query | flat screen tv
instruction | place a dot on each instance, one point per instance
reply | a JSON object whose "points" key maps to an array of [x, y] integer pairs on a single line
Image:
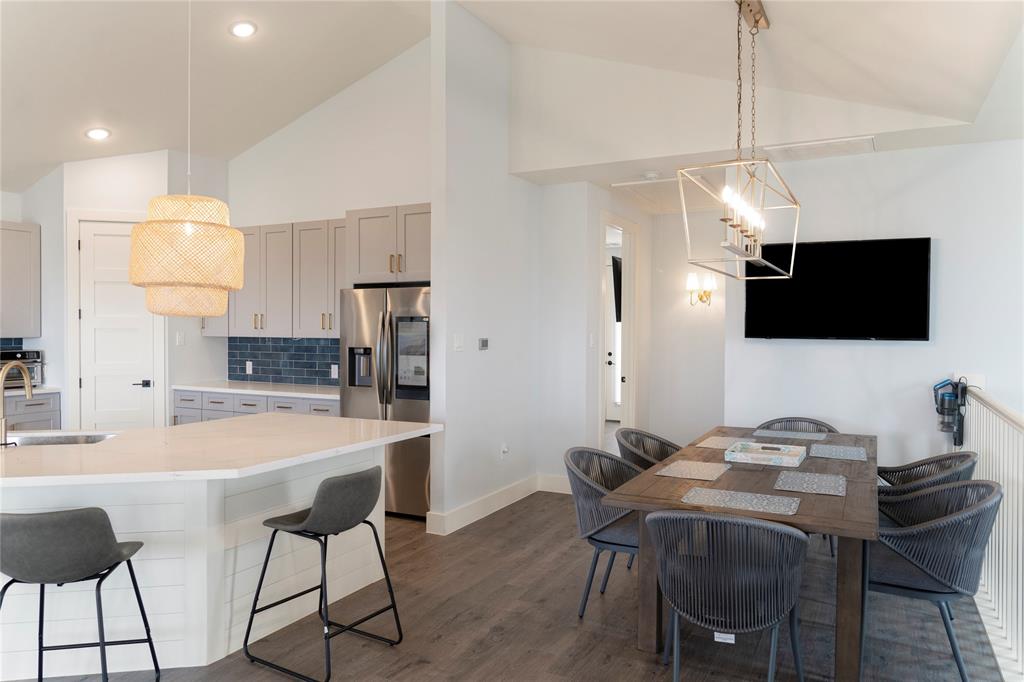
{"points": [[870, 289]]}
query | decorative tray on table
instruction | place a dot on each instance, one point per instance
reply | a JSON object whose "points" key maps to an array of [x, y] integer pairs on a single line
{"points": [[766, 453]]}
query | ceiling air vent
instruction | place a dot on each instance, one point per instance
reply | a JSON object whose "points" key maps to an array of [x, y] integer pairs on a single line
{"points": [[818, 149]]}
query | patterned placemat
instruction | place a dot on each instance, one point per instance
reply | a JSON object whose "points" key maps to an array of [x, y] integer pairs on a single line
{"points": [[819, 484], [701, 471], [794, 435], [731, 499], [721, 442], [853, 452]]}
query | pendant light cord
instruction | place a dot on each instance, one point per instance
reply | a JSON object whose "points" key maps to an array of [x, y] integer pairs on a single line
{"points": [[188, 103], [753, 86]]}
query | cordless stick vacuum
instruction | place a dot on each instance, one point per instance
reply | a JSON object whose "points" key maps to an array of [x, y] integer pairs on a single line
{"points": [[951, 404]]}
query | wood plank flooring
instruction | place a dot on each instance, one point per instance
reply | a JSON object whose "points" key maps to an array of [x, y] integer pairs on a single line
{"points": [[497, 601]]}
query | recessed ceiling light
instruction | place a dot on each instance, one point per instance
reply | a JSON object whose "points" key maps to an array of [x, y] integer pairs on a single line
{"points": [[243, 29], [97, 134]]}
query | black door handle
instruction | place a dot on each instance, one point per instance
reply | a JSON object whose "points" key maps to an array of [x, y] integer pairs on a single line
{"points": [[145, 383]]}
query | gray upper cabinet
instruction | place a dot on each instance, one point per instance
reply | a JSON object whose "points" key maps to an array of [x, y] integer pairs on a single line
{"points": [[276, 280], [244, 304], [20, 304], [413, 263], [311, 264], [390, 244], [263, 307], [372, 235], [339, 273]]}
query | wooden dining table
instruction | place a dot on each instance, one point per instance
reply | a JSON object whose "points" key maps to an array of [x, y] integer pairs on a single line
{"points": [[852, 518]]}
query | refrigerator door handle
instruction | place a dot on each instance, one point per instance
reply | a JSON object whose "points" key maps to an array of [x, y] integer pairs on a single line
{"points": [[389, 356], [381, 377]]}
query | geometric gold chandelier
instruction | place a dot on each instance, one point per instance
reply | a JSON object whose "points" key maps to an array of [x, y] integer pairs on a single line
{"points": [[186, 254], [755, 203]]}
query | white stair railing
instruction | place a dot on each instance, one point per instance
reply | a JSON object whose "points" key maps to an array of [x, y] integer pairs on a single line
{"points": [[996, 433]]}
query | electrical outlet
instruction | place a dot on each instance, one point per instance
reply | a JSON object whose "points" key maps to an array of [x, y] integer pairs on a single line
{"points": [[458, 341], [973, 378], [248, 366], [483, 344], [334, 371], [179, 338]]}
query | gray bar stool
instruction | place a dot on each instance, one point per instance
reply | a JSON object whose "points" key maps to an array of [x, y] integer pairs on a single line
{"points": [[71, 546], [341, 503]]}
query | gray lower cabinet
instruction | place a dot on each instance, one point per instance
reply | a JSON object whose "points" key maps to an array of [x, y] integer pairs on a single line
{"points": [[196, 406], [41, 412]]}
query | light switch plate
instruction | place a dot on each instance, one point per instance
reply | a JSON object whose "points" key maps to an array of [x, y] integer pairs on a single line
{"points": [[248, 366], [458, 341], [179, 338]]}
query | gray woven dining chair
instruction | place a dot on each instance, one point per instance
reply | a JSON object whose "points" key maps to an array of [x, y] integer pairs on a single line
{"points": [[69, 546], [937, 552], [642, 448], [729, 574], [801, 424], [925, 473], [592, 475]]}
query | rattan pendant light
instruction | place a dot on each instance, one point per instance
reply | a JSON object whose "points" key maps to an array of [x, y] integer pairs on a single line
{"points": [[186, 254]]}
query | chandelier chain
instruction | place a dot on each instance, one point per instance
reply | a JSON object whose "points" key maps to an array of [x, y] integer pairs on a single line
{"points": [[739, 80], [753, 89]]}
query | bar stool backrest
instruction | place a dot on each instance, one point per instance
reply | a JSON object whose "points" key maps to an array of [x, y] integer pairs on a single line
{"points": [[343, 502], [727, 573], [801, 424], [57, 547], [642, 448]]}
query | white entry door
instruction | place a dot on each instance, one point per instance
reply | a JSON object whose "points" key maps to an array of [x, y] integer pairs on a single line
{"points": [[121, 341]]}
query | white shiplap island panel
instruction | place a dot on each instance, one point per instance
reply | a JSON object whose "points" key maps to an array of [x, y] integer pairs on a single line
{"points": [[200, 514]]}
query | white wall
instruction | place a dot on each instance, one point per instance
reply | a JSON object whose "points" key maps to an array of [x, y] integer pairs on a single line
{"points": [[43, 203], [967, 198], [484, 260], [10, 206], [571, 370], [122, 183], [686, 393], [367, 146]]}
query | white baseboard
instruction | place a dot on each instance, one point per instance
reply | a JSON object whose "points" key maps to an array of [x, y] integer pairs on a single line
{"points": [[443, 523]]}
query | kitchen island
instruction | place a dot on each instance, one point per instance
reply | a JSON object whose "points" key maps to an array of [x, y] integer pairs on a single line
{"points": [[196, 495]]}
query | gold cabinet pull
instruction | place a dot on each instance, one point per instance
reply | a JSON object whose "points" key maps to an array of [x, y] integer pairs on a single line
{"points": [[391, 262], [255, 319], [330, 320], [261, 320], [323, 321], [399, 262]]}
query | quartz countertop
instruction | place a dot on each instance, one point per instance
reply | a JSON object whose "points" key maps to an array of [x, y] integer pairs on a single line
{"points": [[36, 390], [223, 448], [263, 388]]}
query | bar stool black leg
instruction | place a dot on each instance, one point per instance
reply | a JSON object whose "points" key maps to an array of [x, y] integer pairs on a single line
{"points": [[42, 598], [145, 621], [256, 597], [387, 581], [324, 616], [99, 627]]}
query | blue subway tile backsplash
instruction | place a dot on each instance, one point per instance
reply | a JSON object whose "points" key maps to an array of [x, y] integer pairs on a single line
{"points": [[10, 344], [285, 361]]}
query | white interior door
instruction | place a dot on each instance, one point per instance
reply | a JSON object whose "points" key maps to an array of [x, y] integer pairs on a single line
{"points": [[120, 340], [612, 344]]}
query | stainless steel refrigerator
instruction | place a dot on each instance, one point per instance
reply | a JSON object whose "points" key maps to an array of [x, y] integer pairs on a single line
{"points": [[385, 374]]}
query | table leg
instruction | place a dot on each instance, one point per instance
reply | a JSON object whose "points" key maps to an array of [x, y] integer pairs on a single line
{"points": [[849, 594], [649, 623]]}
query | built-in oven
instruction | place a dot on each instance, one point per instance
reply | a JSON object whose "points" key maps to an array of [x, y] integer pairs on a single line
{"points": [[32, 359]]}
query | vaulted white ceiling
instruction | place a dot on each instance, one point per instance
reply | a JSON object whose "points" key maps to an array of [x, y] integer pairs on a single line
{"points": [[933, 57], [69, 66]]}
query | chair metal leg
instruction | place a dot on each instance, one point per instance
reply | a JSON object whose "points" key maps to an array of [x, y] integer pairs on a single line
{"points": [[794, 637], [666, 646], [832, 546], [99, 627], [590, 580], [953, 643], [865, 584], [42, 598], [324, 616], [629, 562], [607, 572], [391, 591], [145, 621], [676, 657], [774, 654], [256, 598]]}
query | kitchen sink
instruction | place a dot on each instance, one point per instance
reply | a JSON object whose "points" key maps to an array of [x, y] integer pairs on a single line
{"points": [[58, 439]]}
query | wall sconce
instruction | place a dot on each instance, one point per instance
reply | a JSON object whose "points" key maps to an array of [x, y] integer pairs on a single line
{"points": [[699, 293]]}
